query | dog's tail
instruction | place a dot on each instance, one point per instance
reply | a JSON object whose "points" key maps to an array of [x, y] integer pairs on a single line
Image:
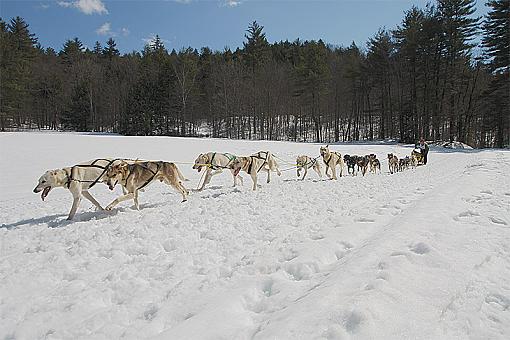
{"points": [[181, 176]]}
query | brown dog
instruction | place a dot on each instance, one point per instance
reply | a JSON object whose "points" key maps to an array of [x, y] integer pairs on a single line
{"points": [[392, 163], [134, 177]]}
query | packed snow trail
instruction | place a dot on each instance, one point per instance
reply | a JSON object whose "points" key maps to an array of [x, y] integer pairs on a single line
{"points": [[422, 254]]}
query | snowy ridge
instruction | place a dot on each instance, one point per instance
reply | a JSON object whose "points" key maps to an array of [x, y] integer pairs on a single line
{"points": [[422, 254]]}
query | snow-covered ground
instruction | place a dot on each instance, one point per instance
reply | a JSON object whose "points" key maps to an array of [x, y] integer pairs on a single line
{"points": [[422, 254]]}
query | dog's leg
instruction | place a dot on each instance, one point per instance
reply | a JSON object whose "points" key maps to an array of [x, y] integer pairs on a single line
{"points": [[234, 177], [179, 187], [122, 198], [183, 191], [254, 179], [278, 172], [76, 203], [207, 179], [333, 172], [135, 199], [268, 175], [318, 171], [88, 196], [241, 179], [306, 172]]}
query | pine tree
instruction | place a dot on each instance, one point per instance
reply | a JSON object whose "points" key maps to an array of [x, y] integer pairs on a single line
{"points": [[496, 41], [312, 75], [381, 51], [72, 51], [111, 50], [459, 31], [76, 117], [256, 46], [98, 49], [18, 53]]}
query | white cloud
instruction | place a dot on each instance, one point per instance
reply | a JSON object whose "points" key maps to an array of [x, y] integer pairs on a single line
{"points": [[223, 3], [150, 39], [232, 3], [105, 29], [44, 6], [64, 4], [86, 6]]}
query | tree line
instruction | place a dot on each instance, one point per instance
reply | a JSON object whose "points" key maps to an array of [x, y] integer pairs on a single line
{"points": [[421, 78]]}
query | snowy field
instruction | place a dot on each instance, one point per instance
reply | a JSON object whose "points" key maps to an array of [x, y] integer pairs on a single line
{"points": [[422, 254]]}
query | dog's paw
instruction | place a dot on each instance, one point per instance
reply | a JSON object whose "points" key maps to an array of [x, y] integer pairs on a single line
{"points": [[109, 208]]}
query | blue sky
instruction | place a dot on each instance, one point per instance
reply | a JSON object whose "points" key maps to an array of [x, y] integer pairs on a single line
{"points": [[213, 23]]}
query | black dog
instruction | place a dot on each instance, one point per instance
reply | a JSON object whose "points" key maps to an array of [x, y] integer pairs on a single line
{"points": [[351, 162], [363, 164]]}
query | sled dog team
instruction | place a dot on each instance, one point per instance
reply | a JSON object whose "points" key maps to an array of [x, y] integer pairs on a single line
{"points": [[135, 175]]}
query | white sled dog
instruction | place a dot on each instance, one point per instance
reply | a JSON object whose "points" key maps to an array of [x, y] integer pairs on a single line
{"points": [[332, 159], [269, 163], [134, 177], [215, 163], [249, 164], [305, 163], [78, 179]]}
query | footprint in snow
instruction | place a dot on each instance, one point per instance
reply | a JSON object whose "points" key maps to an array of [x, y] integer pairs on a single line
{"points": [[419, 248], [317, 236], [498, 299], [347, 245], [150, 312], [497, 220], [352, 321], [465, 215], [364, 220]]}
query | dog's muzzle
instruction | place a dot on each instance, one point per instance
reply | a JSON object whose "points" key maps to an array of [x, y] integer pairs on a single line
{"points": [[112, 185], [45, 191]]}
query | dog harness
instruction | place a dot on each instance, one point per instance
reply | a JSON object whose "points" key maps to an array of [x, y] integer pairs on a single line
{"points": [[250, 166], [310, 163], [230, 157], [146, 166], [331, 156], [257, 155], [91, 165]]}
